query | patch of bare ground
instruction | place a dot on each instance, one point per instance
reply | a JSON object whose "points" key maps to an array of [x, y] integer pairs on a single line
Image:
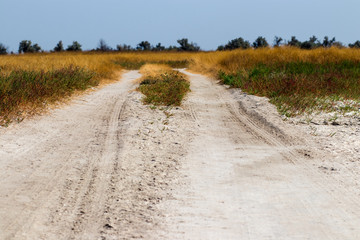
{"points": [[250, 175], [331, 140], [95, 168]]}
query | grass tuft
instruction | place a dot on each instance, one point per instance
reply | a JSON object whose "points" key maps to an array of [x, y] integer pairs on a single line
{"points": [[163, 86]]}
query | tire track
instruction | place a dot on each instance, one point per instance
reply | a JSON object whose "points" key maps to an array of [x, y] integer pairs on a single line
{"points": [[242, 173], [93, 201], [72, 204], [212, 170], [292, 154], [56, 177]]}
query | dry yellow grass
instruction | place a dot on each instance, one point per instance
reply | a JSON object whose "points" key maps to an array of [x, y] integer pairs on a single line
{"points": [[294, 80], [162, 85], [152, 70], [154, 57], [98, 63], [108, 65], [235, 61], [105, 65]]}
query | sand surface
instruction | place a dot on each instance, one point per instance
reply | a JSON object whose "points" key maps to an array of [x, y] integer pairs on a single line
{"points": [[224, 165]]}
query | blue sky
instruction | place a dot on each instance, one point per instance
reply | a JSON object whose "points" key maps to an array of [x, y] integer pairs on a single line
{"points": [[209, 23]]}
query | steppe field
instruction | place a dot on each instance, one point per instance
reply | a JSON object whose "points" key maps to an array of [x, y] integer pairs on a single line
{"points": [[243, 144]]}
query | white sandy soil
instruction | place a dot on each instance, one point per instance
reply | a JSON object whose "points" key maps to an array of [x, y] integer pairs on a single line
{"points": [[224, 165]]}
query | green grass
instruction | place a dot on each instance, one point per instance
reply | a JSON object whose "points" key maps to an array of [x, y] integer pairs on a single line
{"points": [[22, 89], [297, 87], [165, 89]]}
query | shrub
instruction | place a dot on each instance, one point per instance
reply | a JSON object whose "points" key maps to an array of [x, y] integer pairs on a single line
{"points": [[186, 46], [123, 48], [103, 47], [3, 49], [144, 46], [26, 46], [277, 41], [59, 47], [75, 46], [294, 42], [221, 48], [328, 43], [312, 43], [158, 47], [235, 44], [355, 44], [260, 42]]}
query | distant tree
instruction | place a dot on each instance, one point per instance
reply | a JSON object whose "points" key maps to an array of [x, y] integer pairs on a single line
{"points": [[338, 44], [3, 49], [75, 46], [144, 46], [123, 47], [328, 43], [36, 47], [307, 45], [277, 41], [355, 44], [103, 47], [172, 48], [294, 42], [260, 42], [186, 46], [59, 47], [26, 46], [221, 48], [312, 43], [158, 47], [235, 44]]}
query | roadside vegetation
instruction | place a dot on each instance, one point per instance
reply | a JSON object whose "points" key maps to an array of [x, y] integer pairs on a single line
{"points": [[295, 80], [24, 91], [163, 86], [296, 76], [30, 82]]}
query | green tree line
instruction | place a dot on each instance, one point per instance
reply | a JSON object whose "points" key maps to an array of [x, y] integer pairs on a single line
{"points": [[261, 42], [26, 46]]}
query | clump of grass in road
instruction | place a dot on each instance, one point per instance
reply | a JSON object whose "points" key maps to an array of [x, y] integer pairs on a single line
{"points": [[165, 89], [21, 90], [296, 87], [163, 86]]}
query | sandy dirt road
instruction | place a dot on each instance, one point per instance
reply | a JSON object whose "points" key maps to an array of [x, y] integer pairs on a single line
{"points": [[108, 167]]}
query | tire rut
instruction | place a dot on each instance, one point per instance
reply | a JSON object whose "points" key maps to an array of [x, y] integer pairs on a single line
{"points": [[246, 179], [117, 169], [55, 177], [93, 201]]}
